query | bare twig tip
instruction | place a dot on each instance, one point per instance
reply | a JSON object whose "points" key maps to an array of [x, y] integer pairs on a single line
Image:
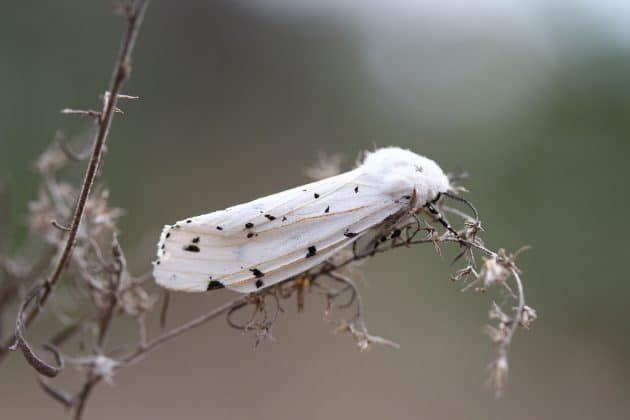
{"points": [[81, 112], [60, 226]]}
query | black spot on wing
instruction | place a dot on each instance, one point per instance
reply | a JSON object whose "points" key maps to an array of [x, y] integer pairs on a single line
{"points": [[214, 285], [168, 235], [270, 217], [311, 251], [316, 195], [219, 228], [356, 189], [195, 240], [249, 225], [192, 248], [284, 218], [327, 209], [350, 234], [256, 272], [259, 283]]}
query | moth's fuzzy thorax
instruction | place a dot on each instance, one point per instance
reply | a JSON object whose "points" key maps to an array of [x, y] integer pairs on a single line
{"points": [[399, 170]]}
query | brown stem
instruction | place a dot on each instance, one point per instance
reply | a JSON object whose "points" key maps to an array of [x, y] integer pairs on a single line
{"points": [[142, 351], [82, 397]]}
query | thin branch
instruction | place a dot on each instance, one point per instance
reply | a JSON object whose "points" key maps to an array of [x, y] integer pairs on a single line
{"points": [[83, 112], [521, 300], [60, 226], [106, 319], [81, 398], [57, 394], [142, 351]]}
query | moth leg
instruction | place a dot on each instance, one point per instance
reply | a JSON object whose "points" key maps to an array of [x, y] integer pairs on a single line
{"points": [[442, 220], [384, 230]]}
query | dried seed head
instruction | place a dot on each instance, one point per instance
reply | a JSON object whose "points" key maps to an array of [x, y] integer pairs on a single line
{"points": [[135, 301], [101, 366], [51, 160], [103, 219], [471, 230], [528, 316], [497, 335], [494, 270]]}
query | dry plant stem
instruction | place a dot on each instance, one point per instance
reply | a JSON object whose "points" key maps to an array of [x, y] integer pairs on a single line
{"points": [[142, 351], [504, 347], [121, 72], [93, 376], [20, 340], [79, 402], [520, 307], [56, 394], [82, 397], [356, 295], [106, 319]]}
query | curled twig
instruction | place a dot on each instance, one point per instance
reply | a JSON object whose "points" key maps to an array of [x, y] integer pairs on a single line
{"points": [[56, 394], [31, 357], [59, 226]]}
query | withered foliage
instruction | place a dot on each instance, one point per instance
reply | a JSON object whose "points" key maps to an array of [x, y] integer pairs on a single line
{"points": [[78, 236]]}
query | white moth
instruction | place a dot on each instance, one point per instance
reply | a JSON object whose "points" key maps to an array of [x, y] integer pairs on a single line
{"points": [[257, 244]]}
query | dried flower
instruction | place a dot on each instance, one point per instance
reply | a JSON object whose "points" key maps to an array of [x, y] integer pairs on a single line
{"points": [[51, 160], [528, 316], [493, 271]]}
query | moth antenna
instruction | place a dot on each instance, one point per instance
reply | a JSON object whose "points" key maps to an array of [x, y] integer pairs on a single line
{"points": [[463, 200]]}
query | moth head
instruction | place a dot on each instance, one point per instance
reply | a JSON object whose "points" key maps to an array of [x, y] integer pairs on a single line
{"points": [[430, 179], [404, 170]]}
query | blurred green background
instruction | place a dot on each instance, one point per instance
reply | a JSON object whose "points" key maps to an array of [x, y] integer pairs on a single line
{"points": [[237, 97]]}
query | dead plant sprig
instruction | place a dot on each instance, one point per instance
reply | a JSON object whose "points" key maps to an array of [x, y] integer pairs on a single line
{"points": [[122, 69]]}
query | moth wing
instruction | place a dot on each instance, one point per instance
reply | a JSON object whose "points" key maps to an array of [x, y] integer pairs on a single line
{"points": [[263, 242], [275, 206]]}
